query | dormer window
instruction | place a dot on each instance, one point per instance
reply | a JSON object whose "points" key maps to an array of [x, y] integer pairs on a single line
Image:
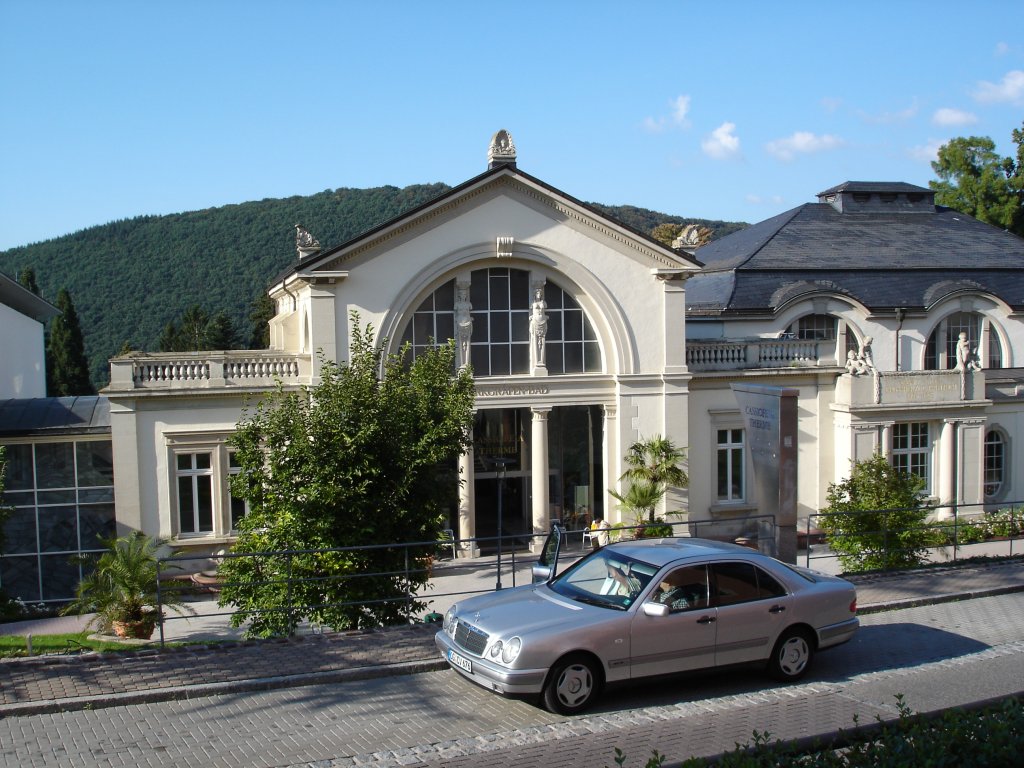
{"points": [[861, 197]]}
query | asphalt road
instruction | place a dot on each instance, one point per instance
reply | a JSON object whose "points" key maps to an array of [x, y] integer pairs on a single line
{"points": [[936, 656]]}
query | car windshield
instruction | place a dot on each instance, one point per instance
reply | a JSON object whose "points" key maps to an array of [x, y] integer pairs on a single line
{"points": [[606, 579]]}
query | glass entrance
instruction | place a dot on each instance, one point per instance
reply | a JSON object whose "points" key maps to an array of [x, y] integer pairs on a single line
{"points": [[501, 444]]}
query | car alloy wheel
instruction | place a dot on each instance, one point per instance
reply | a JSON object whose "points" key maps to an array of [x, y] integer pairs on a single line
{"points": [[792, 656], [572, 685]]}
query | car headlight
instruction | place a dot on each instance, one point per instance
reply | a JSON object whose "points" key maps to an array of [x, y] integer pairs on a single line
{"points": [[508, 650], [511, 650], [449, 621]]}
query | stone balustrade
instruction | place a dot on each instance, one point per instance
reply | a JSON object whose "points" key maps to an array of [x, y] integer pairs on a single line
{"points": [[208, 370], [729, 355]]}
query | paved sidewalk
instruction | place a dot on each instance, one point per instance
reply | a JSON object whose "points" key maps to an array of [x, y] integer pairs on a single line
{"points": [[93, 680]]}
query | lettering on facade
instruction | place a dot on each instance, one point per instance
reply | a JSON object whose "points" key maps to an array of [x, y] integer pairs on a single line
{"points": [[512, 391]]}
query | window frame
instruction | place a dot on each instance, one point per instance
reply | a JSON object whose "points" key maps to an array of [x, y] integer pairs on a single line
{"points": [[220, 471], [906, 457], [730, 447], [999, 492]]}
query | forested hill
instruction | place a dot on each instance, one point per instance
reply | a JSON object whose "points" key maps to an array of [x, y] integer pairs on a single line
{"points": [[129, 278]]}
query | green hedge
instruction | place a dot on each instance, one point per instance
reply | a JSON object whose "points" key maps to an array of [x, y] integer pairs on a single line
{"points": [[988, 736]]}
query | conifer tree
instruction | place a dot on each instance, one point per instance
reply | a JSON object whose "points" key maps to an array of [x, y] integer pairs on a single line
{"points": [[67, 372], [27, 278]]}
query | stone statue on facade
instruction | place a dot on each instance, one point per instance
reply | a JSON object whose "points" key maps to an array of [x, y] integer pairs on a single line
{"points": [[861, 362], [463, 323], [538, 324], [966, 359], [692, 236], [305, 243]]}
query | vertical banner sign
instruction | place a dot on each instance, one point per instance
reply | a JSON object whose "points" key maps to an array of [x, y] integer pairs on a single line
{"points": [[769, 415]]}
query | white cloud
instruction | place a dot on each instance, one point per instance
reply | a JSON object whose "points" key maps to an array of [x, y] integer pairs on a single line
{"points": [[680, 108], [722, 143], [774, 200], [802, 143], [1010, 90], [654, 125], [830, 104], [926, 152], [953, 117], [890, 118]]}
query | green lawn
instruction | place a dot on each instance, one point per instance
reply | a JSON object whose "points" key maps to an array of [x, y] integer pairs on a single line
{"points": [[17, 645]]}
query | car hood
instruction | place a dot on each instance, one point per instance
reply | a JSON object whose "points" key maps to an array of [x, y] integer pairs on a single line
{"points": [[524, 609]]}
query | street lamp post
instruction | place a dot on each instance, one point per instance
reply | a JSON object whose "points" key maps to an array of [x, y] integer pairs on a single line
{"points": [[500, 463]]}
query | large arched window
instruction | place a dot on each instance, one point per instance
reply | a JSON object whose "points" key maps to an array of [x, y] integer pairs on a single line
{"points": [[940, 352], [500, 302]]}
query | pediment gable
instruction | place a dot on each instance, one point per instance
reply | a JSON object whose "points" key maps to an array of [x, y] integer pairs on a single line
{"points": [[509, 183]]}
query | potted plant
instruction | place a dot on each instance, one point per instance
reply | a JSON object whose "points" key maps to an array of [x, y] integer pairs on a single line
{"points": [[121, 589]]}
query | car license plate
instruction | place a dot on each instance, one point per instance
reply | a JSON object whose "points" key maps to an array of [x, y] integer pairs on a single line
{"points": [[460, 662]]}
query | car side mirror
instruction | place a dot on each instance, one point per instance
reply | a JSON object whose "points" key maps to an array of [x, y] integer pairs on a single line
{"points": [[547, 564], [652, 608]]}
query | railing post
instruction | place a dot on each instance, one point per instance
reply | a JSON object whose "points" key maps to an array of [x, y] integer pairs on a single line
{"points": [[408, 582], [291, 615], [159, 604]]}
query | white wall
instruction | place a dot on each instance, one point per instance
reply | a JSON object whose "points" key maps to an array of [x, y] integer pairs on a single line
{"points": [[22, 348]]}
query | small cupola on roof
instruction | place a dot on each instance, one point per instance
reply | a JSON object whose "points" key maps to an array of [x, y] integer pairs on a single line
{"points": [[502, 150], [879, 197]]}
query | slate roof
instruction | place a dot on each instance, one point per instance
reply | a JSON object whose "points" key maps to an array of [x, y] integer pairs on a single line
{"points": [[884, 260], [41, 416]]}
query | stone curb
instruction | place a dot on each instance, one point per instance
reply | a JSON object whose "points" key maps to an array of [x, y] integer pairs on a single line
{"points": [[949, 597], [201, 690]]}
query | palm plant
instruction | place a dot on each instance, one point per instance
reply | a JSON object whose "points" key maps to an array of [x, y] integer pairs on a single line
{"points": [[652, 467], [122, 588]]}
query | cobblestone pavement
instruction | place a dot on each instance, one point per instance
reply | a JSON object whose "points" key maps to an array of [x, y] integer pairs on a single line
{"points": [[62, 683], [938, 655]]}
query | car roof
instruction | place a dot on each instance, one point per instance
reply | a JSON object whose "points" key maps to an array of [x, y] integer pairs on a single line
{"points": [[663, 551]]}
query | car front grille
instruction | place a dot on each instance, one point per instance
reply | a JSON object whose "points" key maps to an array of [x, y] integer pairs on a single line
{"points": [[470, 638]]}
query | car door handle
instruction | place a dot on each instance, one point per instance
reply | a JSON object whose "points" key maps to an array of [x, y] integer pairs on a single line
{"points": [[705, 619], [777, 609]]}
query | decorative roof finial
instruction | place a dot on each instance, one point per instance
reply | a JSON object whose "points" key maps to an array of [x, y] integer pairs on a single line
{"points": [[502, 150]]}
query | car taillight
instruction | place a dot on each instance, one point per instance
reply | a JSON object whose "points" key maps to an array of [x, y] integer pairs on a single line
{"points": [[853, 606]]}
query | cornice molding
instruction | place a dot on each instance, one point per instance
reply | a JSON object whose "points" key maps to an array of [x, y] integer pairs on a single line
{"points": [[546, 199]]}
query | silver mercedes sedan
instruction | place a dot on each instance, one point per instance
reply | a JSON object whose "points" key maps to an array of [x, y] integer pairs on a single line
{"points": [[641, 608]]}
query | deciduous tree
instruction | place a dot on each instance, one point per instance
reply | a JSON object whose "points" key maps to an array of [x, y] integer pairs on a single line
{"points": [[875, 519], [976, 180], [365, 457]]}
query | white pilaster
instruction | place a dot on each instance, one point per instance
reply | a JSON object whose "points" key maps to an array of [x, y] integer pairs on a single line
{"points": [[947, 460], [467, 507]]}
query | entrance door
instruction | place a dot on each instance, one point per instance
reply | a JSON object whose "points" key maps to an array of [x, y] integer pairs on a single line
{"points": [[516, 521]]}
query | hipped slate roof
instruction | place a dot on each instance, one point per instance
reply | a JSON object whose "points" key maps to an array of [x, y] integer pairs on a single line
{"points": [[41, 416], [881, 259]]}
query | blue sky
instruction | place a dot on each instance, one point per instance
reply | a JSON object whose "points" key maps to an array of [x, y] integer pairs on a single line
{"points": [[723, 110]]}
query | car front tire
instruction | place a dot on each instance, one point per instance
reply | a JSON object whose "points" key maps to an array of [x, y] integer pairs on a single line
{"points": [[792, 655], [573, 685]]}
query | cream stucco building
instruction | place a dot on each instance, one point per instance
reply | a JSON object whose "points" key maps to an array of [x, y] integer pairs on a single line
{"points": [[898, 324]]}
